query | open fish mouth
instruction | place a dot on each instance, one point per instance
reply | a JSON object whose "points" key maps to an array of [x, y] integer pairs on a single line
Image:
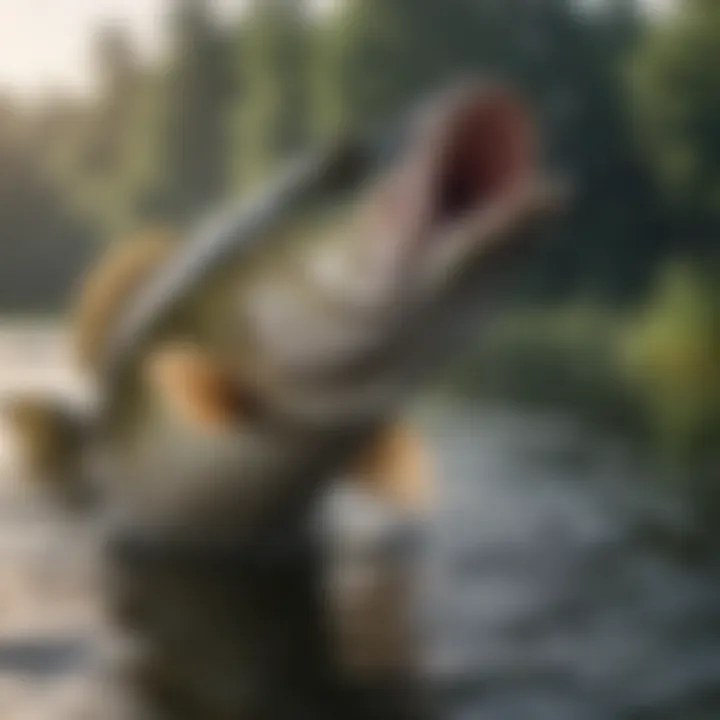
{"points": [[484, 149], [458, 194], [466, 188], [471, 149]]}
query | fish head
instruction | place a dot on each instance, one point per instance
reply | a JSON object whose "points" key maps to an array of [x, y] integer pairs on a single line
{"points": [[434, 241], [465, 201]]}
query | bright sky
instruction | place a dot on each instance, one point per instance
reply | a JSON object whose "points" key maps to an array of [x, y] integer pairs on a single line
{"points": [[46, 43]]}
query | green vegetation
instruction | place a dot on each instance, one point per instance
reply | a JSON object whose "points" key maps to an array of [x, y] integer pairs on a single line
{"points": [[561, 357], [670, 351], [650, 374], [674, 96]]}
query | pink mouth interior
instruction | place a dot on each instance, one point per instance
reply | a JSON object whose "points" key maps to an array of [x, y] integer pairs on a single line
{"points": [[487, 151]]}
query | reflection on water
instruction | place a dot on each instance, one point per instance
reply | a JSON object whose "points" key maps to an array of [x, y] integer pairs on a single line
{"points": [[543, 601]]}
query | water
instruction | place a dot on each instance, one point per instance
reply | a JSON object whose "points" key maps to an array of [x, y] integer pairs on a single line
{"points": [[545, 603], [544, 599]]}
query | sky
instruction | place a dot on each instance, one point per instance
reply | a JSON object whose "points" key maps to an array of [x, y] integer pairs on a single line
{"points": [[46, 44]]}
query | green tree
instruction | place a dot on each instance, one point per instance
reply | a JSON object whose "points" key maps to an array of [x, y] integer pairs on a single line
{"points": [[377, 57], [103, 148], [191, 131], [43, 243], [84, 146], [569, 56], [671, 351], [272, 108], [675, 95]]}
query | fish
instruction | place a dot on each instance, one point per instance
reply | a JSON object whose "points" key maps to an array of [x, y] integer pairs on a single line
{"points": [[253, 362], [298, 344]]}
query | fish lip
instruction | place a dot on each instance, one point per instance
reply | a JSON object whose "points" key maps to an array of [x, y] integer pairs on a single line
{"points": [[480, 145]]}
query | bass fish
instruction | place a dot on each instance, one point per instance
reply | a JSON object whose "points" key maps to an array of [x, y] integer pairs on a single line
{"points": [[236, 373]]}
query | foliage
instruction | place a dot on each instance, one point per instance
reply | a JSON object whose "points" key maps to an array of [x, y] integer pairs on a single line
{"points": [[42, 241], [670, 351], [191, 133], [560, 357], [675, 99], [651, 374], [272, 113], [377, 57]]}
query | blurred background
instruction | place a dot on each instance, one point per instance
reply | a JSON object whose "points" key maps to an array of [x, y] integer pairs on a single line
{"points": [[579, 439]]}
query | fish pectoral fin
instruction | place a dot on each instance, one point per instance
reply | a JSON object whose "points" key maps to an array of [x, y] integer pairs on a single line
{"points": [[195, 386], [397, 468]]}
